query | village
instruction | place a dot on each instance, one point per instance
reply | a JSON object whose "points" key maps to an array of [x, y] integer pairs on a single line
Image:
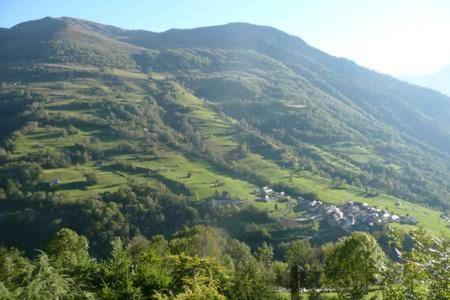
{"points": [[266, 194], [349, 216]]}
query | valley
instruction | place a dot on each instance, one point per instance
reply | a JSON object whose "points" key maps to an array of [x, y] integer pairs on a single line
{"points": [[225, 162], [182, 173]]}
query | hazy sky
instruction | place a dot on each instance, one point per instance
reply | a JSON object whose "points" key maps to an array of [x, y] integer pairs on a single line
{"points": [[392, 36]]}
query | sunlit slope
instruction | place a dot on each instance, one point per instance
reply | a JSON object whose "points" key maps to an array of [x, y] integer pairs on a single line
{"points": [[84, 101]]}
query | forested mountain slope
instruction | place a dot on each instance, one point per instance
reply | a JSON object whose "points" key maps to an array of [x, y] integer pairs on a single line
{"points": [[408, 107], [375, 109], [65, 40], [215, 111]]}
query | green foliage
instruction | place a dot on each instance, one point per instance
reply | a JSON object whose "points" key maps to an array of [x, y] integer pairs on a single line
{"points": [[159, 269], [189, 271], [422, 272], [50, 160], [217, 121], [4, 155], [197, 291], [16, 269], [353, 264], [152, 272], [252, 278], [141, 270], [255, 233], [199, 240], [299, 253], [180, 59], [301, 108], [47, 282], [280, 272], [91, 178], [68, 248], [117, 275]]}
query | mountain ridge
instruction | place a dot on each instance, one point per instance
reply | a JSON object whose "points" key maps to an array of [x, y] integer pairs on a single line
{"points": [[206, 162], [305, 102]]}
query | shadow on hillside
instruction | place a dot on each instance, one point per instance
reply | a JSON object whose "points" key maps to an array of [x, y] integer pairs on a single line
{"points": [[174, 186], [368, 194], [76, 185]]}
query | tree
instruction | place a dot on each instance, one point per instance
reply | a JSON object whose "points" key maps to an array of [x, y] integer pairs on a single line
{"points": [[244, 150], [72, 130], [16, 269], [48, 283], [280, 272], [117, 275], [250, 280], [68, 253], [352, 264], [152, 272], [423, 271], [4, 155], [6, 294], [264, 254], [67, 247], [299, 253], [199, 240], [91, 178], [189, 271], [255, 233], [197, 290]]}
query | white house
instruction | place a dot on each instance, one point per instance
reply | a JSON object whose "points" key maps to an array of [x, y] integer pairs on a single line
{"points": [[54, 182]]}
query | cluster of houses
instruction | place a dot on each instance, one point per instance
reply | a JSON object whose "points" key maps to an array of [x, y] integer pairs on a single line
{"points": [[266, 194], [352, 216]]}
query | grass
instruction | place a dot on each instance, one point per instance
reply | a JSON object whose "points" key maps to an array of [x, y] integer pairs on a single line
{"points": [[202, 181], [218, 130], [172, 167], [355, 153], [73, 181], [308, 182], [333, 160]]}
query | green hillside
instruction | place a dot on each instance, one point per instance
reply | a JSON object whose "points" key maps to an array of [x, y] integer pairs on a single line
{"points": [[85, 102], [192, 116]]}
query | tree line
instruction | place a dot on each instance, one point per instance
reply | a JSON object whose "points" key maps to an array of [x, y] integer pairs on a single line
{"points": [[204, 263]]}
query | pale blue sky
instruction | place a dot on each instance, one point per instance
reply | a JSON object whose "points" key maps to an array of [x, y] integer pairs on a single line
{"points": [[392, 36]]}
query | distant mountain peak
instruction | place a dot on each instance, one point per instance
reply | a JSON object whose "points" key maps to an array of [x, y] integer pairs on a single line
{"points": [[107, 30], [39, 24]]}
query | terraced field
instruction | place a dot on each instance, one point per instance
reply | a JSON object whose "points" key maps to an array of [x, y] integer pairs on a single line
{"points": [[184, 174]]}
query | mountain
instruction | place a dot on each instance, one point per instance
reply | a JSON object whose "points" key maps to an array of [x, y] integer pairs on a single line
{"points": [[438, 81], [341, 78], [90, 111], [64, 39]]}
